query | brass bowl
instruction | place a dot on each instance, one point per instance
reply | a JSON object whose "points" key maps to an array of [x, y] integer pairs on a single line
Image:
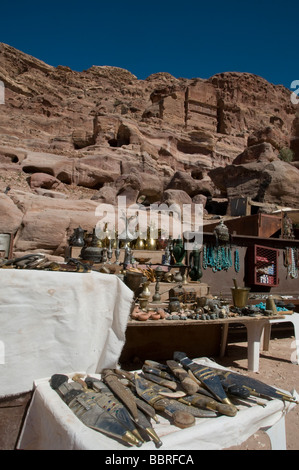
{"points": [[142, 260]]}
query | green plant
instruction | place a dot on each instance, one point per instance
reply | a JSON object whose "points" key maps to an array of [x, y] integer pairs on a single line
{"points": [[286, 154]]}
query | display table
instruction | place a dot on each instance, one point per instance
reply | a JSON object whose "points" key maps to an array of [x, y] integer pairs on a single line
{"points": [[254, 327], [294, 319], [258, 337], [51, 425], [254, 333], [58, 322]]}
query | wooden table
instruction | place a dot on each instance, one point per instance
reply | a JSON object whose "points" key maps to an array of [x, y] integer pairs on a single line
{"points": [[254, 326]]}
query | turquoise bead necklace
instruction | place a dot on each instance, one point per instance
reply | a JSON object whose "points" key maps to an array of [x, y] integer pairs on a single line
{"points": [[220, 258]]}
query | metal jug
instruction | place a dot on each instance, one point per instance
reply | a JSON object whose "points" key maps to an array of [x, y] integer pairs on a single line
{"points": [[77, 239], [195, 272]]}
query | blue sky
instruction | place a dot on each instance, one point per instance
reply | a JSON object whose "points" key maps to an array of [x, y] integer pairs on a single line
{"points": [[184, 38]]}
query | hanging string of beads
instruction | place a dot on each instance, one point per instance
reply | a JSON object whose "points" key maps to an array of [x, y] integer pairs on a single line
{"points": [[292, 268], [290, 254], [218, 256], [237, 260]]}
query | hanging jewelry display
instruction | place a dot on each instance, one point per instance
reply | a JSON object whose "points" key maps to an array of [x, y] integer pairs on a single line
{"points": [[237, 260], [290, 254], [291, 262], [218, 255], [293, 271], [221, 233], [287, 227]]}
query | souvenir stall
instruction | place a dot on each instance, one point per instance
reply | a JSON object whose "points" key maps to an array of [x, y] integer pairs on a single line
{"points": [[77, 320]]}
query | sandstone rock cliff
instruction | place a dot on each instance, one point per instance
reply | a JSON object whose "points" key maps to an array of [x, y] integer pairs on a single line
{"points": [[90, 136]]}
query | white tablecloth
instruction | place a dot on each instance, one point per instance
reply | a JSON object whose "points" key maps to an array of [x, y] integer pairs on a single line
{"points": [[51, 425], [57, 322]]}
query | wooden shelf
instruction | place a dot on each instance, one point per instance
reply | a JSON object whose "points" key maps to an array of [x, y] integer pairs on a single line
{"points": [[263, 266], [188, 322], [246, 240]]}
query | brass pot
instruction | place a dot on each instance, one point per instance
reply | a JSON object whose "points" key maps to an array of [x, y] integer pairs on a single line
{"points": [[174, 304], [133, 280], [167, 277], [240, 296], [151, 244], [139, 244], [201, 301]]}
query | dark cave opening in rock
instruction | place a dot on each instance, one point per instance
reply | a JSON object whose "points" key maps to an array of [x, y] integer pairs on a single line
{"points": [[113, 143], [123, 137]]}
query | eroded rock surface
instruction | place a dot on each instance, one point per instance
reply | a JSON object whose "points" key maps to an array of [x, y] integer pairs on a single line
{"points": [[71, 140]]}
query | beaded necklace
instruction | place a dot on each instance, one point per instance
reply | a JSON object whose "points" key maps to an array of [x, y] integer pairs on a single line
{"points": [[237, 260], [220, 258], [292, 268]]}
